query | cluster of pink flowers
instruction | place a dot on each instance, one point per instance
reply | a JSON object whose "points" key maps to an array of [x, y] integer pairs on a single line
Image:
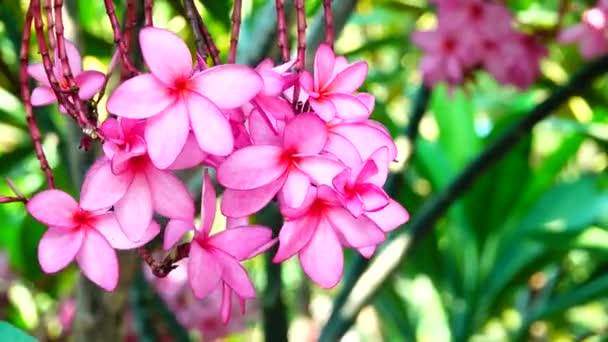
{"points": [[322, 159], [592, 34], [475, 34]]}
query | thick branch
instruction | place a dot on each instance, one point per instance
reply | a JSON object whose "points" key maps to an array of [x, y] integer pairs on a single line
{"points": [[282, 30], [118, 38], [148, 7], [329, 23], [389, 260], [192, 15]]}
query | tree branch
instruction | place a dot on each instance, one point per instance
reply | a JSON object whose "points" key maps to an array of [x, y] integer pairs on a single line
{"points": [[236, 29], [391, 257]]}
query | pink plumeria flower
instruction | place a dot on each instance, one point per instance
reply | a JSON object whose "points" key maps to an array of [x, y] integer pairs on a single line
{"points": [[175, 98], [214, 259], [87, 236], [135, 193], [591, 34], [522, 61], [89, 82], [123, 141], [330, 91], [317, 232], [255, 174]]}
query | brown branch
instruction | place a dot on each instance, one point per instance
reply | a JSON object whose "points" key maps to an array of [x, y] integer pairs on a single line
{"points": [[27, 103], [213, 51], [148, 7], [191, 14], [329, 23], [50, 22], [118, 39], [301, 61], [163, 267], [236, 29], [282, 30]]}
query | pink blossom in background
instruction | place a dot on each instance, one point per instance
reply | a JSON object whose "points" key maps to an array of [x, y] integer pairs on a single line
{"points": [[591, 34], [87, 236], [89, 82], [176, 98]]}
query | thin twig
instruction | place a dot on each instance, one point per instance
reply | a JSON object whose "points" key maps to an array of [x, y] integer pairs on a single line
{"points": [[118, 39], [14, 188], [50, 22], [329, 23], [213, 51], [148, 7], [236, 30], [191, 14], [301, 61], [25, 95], [282, 30], [389, 260]]}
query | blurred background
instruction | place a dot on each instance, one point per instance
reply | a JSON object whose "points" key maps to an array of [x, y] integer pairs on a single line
{"points": [[522, 255]]}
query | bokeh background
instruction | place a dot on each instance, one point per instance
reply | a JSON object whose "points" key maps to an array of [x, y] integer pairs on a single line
{"points": [[522, 255]]}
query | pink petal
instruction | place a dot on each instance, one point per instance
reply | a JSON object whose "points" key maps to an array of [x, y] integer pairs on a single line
{"points": [[343, 149], [321, 169], [273, 83], [42, 96], [108, 226], [305, 133], [238, 203], [208, 204], [101, 187], [37, 72], [152, 98], [204, 272], [324, 108], [210, 126], [134, 210], [261, 131], [252, 167], [228, 86], [234, 274], [241, 242], [373, 197], [234, 222], [295, 188], [349, 79], [322, 258], [98, 260], [166, 134], [58, 247], [366, 138], [380, 158], [294, 235], [367, 252], [389, 217], [307, 83], [170, 197], [367, 99], [174, 231], [190, 156], [89, 82], [348, 107], [53, 208], [323, 65], [74, 58], [355, 231], [166, 55], [226, 305], [112, 129]]}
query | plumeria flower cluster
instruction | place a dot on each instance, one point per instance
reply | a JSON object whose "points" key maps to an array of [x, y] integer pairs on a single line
{"points": [[473, 34], [591, 34], [319, 156]]}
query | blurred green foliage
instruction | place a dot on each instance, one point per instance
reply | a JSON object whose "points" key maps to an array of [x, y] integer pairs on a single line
{"points": [[524, 254]]}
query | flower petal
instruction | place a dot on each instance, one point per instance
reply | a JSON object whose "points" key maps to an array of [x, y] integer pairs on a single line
{"points": [[210, 126], [234, 275], [204, 272], [42, 96], [109, 227], [323, 65], [208, 204], [348, 107], [190, 156], [389, 217], [98, 260], [74, 58], [166, 55], [58, 247], [134, 210], [238, 203], [322, 258], [89, 83], [306, 133], [295, 188], [37, 72], [294, 235], [355, 231], [170, 197], [242, 241], [324, 108], [101, 187], [252, 167], [53, 208], [366, 138], [349, 79], [174, 231], [321, 169], [140, 97], [228, 85], [166, 134]]}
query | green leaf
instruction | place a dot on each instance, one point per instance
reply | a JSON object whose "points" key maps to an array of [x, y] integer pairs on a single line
{"points": [[13, 334]]}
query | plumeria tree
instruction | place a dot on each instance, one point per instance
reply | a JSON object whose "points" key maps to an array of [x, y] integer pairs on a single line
{"points": [[282, 141]]}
